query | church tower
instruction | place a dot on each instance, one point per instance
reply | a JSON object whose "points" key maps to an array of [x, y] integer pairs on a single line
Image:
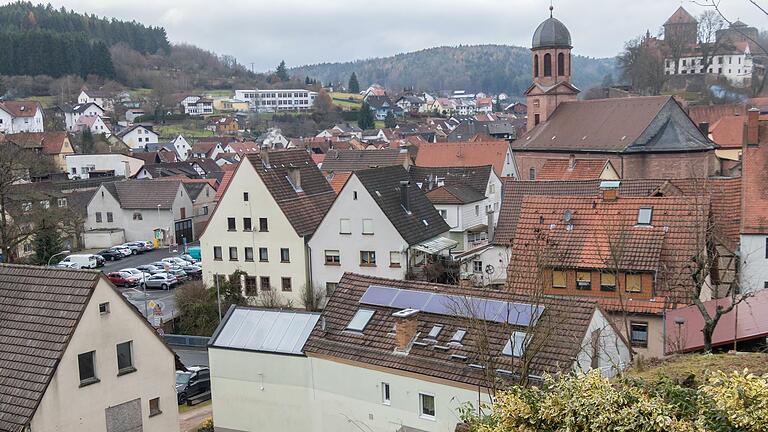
{"points": [[551, 55]]}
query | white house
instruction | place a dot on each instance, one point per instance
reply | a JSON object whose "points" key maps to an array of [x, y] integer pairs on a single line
{"points": [[80, 165], [132, 114], [278, 99], [182, 147], [99, 98], [273, 139], [72, 115], [271, 205], [138, 136], [95, 124], [379, 225], [98, 366], [392, 355], [21, 116], [143, 210]]}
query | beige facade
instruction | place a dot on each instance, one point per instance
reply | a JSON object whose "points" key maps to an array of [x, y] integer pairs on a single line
{"points": [[279, 234], [67, 405]]}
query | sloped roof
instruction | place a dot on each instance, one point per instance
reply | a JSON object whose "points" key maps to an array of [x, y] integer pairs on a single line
{"points": [[464, 154], [338, 179], [583, 169], [728, 132], [128, 130], [51, 142], [619, 125], [81, 108], [476, 177], [551, 33], [421, 222], [454, 194], [306, 208], [224, 183], [144, 194], [20, 108], [375, 345], [681, 16], [39, 311], [353, 160], [265, 330]]}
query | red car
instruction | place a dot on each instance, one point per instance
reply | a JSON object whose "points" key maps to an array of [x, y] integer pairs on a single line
{"points": [[124, 279]]}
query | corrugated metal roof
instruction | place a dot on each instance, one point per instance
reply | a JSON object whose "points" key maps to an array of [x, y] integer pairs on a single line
{"points": [[262, 330]]}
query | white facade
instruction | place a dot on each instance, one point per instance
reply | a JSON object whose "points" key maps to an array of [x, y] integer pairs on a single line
{"points": [[139, 137], [182, 147], [278, 100], [736, 67], [97, 125], [67, 406], [367, 229], [754, 262], [71, 118], [101, 101], [10, 124], [279, 234], [79, 165]]}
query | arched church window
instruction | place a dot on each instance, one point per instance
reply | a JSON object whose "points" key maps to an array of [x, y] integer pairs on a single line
{"points": [[536, 65], [547, 65], [561, 64]]}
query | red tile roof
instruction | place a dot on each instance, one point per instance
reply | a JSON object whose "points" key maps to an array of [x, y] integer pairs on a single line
{"points": [[712, 113], [338, 180], [654, 306], [51, 142], [755, 188], [728, 132], [459, 154], [225, 179], [583, 169], [20, 108]]}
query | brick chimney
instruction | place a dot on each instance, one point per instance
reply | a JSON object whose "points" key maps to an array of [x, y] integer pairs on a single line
{"points": [[753, 125], [704, 128], [294, 173], [609, 190], [406, 324], [264, 154]]}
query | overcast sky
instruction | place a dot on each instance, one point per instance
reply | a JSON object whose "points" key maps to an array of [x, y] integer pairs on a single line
{"points": [[316, 31]]}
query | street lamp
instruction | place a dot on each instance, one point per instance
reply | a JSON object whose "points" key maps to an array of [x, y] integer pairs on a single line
{"points": [[57, 254]]}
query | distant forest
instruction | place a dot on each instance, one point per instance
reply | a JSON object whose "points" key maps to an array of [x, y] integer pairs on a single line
{"points": [[41, 40], [487, 68]]}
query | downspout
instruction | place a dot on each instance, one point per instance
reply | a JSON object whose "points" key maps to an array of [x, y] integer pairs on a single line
{"points": [[308, 264]]}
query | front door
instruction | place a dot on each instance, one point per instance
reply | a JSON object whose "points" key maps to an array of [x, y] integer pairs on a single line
{"points": [[183, 231]]}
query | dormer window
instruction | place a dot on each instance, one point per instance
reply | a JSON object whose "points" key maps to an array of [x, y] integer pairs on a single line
{"points": [[435, 332], [458, 336], [515, 346], [360, 320], [644, 215]]}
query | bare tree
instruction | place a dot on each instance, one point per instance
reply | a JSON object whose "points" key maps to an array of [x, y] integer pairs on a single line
{"points": [[642, 66], [710, 23]]}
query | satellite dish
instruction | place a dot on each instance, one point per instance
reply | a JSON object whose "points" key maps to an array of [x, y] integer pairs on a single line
{"points": [[568, 215]]}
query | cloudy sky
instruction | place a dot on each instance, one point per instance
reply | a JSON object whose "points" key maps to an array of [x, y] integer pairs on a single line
{"points": [[263, 32]]}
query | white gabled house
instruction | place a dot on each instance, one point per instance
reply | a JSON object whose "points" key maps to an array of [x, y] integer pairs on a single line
{"points": [[379, 225], [21, 116], [138, 136], [72, 115], [95, 124], [99, 98], [182, 147]]}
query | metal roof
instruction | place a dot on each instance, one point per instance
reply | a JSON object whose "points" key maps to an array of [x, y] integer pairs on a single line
{"points": [[436, 245], [551, 34], [250, 329]]}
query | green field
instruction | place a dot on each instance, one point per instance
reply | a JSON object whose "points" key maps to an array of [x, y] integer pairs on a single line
{"points": [[682, 366], [347, 101], [188, 129], [45, 101]]}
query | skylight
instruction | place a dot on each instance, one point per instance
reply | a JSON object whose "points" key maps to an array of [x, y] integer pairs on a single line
{"points": [[644, 215], [515, 346], [458, 336], [435, 332], [360, 320]]}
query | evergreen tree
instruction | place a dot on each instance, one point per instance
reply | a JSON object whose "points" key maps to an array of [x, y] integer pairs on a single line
{"points": [[365, 118], [282, 72], [390, 121], [47, 241], [86, 141], [354, 86]]}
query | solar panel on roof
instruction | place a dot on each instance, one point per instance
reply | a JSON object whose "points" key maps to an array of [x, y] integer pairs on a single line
{"points": [[411, 299], [378, 295]]}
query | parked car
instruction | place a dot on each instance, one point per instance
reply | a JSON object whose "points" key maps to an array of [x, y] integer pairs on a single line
{"points": [[161, 280], [120, 249], [189, 258], [150, 269], [193, 382], [70, 265], [137, 273], [194, 252], [176, 261], [88, 261], [193, 271], [123, 279], [146, 245], [134, 248], [110, 255], [180, 274]]}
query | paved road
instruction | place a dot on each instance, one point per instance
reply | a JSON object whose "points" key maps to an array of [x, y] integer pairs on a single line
{"points": [[137, 260], [191, 420]]}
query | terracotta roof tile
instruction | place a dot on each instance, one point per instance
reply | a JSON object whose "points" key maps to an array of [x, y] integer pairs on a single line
{"points": [[583, 169], [133, 194], [20, 108], [51, 142], [464, 154], [338, 180], [728, 131]]}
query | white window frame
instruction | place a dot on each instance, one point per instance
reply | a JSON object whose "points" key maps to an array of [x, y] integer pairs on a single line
{"points": [[386, 394], [368, 226], [345, 226], [421, 406]]}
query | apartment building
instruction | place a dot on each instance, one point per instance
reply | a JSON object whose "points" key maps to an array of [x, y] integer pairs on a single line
{"points": [[277, 99]]}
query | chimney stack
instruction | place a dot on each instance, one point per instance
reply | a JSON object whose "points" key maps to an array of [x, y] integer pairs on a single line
{"points": [[753, 125], [405, 197], [406, 324], [264, 154], [704, 128], [294, 173], [609, 190], [491, 226]]}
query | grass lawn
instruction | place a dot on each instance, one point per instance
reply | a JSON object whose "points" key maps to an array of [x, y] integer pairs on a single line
{"points": [[347, 101], [184, 408], [170, 131], [682, 366], [216, 93], [342, 95], [378, 124], [45, 101]]}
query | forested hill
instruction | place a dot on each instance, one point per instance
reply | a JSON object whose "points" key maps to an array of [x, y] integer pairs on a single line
{"points": [[41, 40], [487, 68]]}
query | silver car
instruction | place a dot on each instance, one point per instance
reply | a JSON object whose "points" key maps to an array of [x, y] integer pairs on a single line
{"points": [[161, 280], [137, 273]]}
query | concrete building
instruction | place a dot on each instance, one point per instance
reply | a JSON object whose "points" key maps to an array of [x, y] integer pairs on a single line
{"points": [[278, 99], [79, 166], [21, 116], [97, 366]]}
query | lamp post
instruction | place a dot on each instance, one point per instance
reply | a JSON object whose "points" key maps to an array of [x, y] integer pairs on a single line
{"points": [[57, 254]]}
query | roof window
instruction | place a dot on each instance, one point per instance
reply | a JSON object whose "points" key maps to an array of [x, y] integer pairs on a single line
{"points": [[458, 336], [644, 215], [515, 346], [360, 320], [435, 332]]}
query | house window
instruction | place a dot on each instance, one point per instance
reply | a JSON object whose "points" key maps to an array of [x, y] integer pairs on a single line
{"points": [[245, 196], [477, 266], [561, 64], [638, 333], [98, 217], [109, 217], [231, 224], [766, 247], [285, 284], [263, 254], [344, 226], [247, 224], [232, 253], [354, 195], [634, 283], [458, 336], [558, 279], [285, 255], [330, 288], [360, 320], [607, 282], [547, 65], [217, 253], [154, 407], [250, 286], [394, 259], [125, 358], [477, 210], [644, 215], [332, 257], [583, 280], [137, 216], [444, 214], [367, 258], [263, 227], [536, 65], [87, 367], [367, 226], [204, 210], [434, 332], [264, 282], [248, 253], [427, 404], [62, 202], [385, 393], [103, 308]]}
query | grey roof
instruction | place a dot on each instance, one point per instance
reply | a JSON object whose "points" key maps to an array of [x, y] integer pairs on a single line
{"points": [[353, 160], [428, 178], [39, 311], [551, 34], [144, 194], [81, 108], [272, 331]]}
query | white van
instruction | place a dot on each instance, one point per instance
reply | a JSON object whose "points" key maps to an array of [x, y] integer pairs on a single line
{"points": [[82, 261]]}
